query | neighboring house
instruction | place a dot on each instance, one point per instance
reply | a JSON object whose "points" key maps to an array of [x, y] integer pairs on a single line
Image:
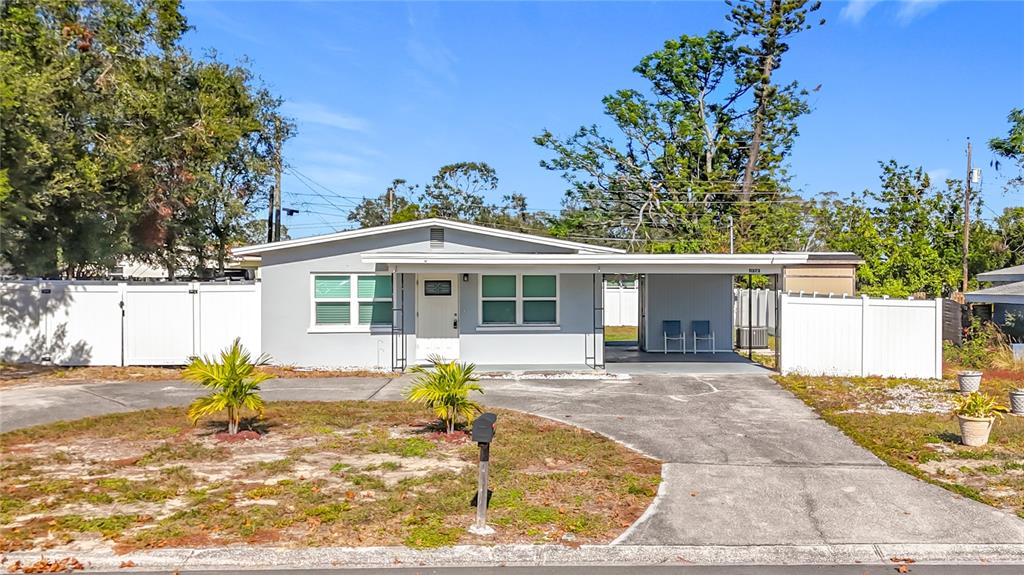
{"points": [[396, 295], [1006, 296]]}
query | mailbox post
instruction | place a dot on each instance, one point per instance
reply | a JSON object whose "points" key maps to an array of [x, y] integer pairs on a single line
{"points": [[483, 434]]}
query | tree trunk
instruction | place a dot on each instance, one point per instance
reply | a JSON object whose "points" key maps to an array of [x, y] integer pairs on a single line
{"points": [[762, 98]]}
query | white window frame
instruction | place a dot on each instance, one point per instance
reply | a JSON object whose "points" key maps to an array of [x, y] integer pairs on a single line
{"points": [[519, 299], [353, 300]]}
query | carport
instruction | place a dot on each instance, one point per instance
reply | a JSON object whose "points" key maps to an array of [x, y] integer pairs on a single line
{"points": [[686, 288]]}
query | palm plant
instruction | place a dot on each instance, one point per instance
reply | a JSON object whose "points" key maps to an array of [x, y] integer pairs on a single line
{"points": [[234, 381], [444, 386]]}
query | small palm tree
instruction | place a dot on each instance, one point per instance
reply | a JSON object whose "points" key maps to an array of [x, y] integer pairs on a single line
{"points": [[235, 383], [444, 386]]}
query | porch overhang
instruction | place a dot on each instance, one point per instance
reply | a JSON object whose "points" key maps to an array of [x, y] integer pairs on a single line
{"points": [[736, 264]]}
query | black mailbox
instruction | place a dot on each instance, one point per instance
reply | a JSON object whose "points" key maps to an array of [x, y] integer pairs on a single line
{"points": [[483, 428]]}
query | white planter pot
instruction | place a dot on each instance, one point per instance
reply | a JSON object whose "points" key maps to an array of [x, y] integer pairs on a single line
{"points": [[1017, 402], [970, 381], [974, 431]]}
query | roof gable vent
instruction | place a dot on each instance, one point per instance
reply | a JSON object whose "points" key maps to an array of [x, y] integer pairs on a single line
{"points": [[436, 238]]}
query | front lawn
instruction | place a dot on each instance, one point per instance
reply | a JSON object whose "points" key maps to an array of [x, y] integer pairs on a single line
{"points": [[18, 374], [908, 424], [321, 474], [620, 333]]}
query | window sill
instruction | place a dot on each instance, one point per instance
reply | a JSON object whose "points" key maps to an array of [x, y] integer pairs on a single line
{"points": [[382, 328], [519, 327]]}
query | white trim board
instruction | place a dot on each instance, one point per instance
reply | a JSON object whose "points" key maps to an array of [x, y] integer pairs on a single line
{"points": [[427, 223]]}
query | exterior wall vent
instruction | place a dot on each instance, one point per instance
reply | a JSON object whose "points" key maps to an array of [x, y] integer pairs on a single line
{"points": [[436, 238]]}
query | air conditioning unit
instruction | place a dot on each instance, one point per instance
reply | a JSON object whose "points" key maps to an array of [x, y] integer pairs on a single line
{"points": [[752, 337]]}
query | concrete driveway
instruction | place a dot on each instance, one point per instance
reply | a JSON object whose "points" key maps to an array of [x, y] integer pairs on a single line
{"points": [[746, 463]]}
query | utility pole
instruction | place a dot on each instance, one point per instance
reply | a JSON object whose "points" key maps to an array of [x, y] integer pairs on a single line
{"points": [[967, 217], [732, 244], [391, 203], [277, 179]]}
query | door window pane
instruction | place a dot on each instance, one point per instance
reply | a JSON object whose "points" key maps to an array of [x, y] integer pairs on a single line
{"points": [[375, 313], [539, 286], [332, 312], [499, 286], [331, 287], [437, 287], [539, 311], [499, 311]]}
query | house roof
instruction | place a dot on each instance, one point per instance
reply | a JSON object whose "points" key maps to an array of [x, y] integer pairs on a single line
{"points": [[427, 223], [589, 263], [1011, 274], [1012, 293]]}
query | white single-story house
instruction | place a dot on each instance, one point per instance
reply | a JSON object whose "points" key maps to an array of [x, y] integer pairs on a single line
{"points": [[395, 295]]}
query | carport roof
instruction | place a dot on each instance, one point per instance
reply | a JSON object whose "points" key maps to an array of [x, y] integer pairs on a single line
{"points": [[590, 263]]}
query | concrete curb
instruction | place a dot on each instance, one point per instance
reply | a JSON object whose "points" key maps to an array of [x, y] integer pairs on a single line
{"points": [[264, 558]]}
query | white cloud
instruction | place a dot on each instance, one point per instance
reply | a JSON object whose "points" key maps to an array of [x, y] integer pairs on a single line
{"points": [[939, 175], [912, 9], [855, 10], [314, 113], [906, 12]]}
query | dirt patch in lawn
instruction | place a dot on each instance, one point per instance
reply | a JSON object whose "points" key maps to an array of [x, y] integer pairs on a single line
{"points": [[320, 474], [29, 374], [909, 424]]}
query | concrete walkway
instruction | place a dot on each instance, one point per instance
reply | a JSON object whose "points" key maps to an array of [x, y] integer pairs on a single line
{"points": [[746, 463]]}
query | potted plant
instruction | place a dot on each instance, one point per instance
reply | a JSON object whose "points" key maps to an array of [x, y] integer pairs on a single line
{"points": [[969, 380], [977, 414], [1017, 401]]}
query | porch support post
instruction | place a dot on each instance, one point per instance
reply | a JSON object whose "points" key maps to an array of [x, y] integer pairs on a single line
{"points": [[778, 331], [750, 316]]}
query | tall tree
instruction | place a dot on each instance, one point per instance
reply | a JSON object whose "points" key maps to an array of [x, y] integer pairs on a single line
{"points": [[392, 207], [668, 179], [117, 142], [768, 24], [458, 191], [1012, 147], [906, 231]]}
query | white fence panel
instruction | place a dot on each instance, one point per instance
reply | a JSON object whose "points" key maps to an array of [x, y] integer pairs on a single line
{"points": [[861, 336], [159, 324], [23, 335], [621, 305], [84, 328], [227, 311], [81, 323], [903, 338], [821, 336]]}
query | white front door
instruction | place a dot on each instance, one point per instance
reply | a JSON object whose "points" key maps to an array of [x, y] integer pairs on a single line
{"points": [[437, 316]]}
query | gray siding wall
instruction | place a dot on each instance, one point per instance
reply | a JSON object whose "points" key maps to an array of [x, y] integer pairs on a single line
{"points": [[568, 345], [689, 298], [286, 308]]}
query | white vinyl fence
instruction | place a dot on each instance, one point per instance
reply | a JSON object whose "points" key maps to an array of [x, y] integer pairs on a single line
{"points": [[97, 323], [621, 304], [754, 308], [861, 336]]}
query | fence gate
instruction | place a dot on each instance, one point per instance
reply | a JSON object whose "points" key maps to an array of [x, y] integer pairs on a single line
{"points": [[102, 323]]}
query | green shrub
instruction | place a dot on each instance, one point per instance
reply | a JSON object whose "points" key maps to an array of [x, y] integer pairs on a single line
{"points": [[445, 388], [235, 383]]}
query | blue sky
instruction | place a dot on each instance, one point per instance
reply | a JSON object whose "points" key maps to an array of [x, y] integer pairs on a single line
{"points": [[394, 90]]}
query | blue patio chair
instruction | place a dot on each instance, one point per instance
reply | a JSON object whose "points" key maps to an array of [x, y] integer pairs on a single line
{"points": [[672, 330], [702, 332]]}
